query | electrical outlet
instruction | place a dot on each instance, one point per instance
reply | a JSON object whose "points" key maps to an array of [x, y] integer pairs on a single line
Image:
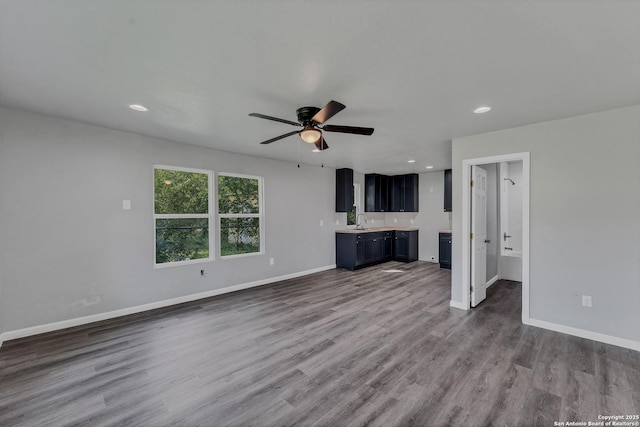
{"points": [[586, 300], [337, 222], [126, 205], [411, 221], [395, 220], [271, 261]]}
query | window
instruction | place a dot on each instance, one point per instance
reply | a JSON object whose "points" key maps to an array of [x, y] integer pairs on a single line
{"points": [[240, 212], [182, 215], [353, 213]]}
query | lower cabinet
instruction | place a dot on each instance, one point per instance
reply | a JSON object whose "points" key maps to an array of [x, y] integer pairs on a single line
{"points": [[355, 250], [387, 246], [405, 246], [445, 250]]}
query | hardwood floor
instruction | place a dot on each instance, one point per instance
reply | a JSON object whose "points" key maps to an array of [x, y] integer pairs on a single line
{"points": [[378, 347]]}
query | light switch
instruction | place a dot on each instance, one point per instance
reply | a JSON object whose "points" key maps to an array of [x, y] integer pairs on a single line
{"points": [[321, 223], [126, 205]]}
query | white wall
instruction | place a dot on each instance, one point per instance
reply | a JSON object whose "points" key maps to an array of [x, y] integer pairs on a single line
{"points": [[430, 218], [584, 210], [493, 247], [68, 249]]}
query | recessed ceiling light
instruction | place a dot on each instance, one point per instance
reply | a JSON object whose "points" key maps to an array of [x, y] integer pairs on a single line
{"points": [[411, 161], [481, 110], [429, 167], [138, 107]]}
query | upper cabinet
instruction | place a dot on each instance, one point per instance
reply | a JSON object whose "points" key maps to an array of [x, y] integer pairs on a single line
{"points": [[376, 193], [404, 193], [448, 191], [397, 193], [344, 190]]}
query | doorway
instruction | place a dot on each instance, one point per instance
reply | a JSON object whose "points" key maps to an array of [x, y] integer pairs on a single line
{"points": [[470, 248]]}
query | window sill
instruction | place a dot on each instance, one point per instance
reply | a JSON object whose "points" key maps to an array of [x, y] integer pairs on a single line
{"points": [[181, 263], [241, 255]]}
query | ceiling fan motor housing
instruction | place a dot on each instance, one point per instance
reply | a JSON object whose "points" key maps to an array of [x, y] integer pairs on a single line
{"points": [[305, 114]]}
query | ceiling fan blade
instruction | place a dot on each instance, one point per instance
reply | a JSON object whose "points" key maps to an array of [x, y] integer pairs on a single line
{"points": [[321, 144], [348, 129], [275, 119], [269, 141], [328, 111]]}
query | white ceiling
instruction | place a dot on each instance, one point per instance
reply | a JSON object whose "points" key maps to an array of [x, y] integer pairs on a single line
{"points": [[412, 70]]}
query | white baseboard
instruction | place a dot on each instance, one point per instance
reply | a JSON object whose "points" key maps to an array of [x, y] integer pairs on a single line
{"points": [[491, 281], [457, 304], [49, 327], [582, 333]]}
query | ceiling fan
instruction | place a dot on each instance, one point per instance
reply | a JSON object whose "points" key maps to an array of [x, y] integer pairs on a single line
{"points": [[309, 118]]}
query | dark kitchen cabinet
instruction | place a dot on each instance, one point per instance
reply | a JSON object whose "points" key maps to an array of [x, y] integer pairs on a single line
{"points": [[376, 193], [387, 246], [355, 250], [344, 190], [373, 247], [404, 193], [397, 193], [445, 250], [448, 195], [405, 246]]}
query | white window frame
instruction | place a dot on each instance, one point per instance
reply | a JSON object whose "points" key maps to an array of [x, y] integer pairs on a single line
{"points": [[259, 215], [356, 203], [210, 216]]}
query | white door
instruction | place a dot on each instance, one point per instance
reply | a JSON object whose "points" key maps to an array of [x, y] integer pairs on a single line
{"points": [[478, 235]]}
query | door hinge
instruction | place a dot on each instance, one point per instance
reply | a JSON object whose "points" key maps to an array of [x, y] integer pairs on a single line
{"points": [[471, 291], [473, 183], [471, 236]]}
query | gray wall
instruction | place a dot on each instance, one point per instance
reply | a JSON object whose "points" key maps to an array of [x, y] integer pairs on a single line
{"points": [[584, 228], [2, 155], [68, 249]]}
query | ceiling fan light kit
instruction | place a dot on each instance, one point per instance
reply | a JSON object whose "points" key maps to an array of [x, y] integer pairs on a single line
{"points": [[310, 134], [309, 118]]}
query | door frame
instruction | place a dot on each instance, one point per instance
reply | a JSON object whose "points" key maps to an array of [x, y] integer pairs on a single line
{"points": [[466, 225]]}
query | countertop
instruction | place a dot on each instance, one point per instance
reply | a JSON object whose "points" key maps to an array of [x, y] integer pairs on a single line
{"points": [[444, 231], [375, 229]]}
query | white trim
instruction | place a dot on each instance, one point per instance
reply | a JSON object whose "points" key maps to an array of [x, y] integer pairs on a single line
{"points": [[466, 214], [457, 304], [582, 333], [491, 281], [49, 327]]}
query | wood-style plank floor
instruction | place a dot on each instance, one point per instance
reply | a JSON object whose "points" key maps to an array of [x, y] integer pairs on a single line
{"points": [[378, 347]]}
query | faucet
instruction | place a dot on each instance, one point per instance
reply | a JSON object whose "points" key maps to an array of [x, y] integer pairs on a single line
{"points": [[358, 225]]}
